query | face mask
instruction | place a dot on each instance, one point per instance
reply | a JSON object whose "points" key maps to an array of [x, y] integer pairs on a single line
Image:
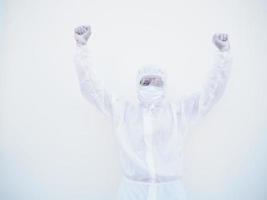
{"points": [[150, 94]]}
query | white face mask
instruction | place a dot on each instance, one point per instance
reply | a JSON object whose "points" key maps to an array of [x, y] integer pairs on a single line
{"points": [[150, 94]]}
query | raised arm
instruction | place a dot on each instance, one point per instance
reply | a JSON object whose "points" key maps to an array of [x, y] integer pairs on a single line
{"points": [[194, 106], [91, 88]]}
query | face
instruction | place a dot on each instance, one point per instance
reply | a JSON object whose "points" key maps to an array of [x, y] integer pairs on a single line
{"points": [[151, 89]]}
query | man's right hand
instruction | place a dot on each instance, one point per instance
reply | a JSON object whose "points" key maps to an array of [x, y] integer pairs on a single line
{"points": [[82, 34], [221, 41]]}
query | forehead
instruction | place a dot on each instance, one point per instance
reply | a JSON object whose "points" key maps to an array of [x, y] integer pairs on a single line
{"points": [[151, 77]]}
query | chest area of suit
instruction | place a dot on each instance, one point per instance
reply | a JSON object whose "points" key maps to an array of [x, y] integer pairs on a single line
{"points": [[148, 121]]}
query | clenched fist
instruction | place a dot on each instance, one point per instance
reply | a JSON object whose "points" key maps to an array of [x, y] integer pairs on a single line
{"points": [[221, 41], [82, 34]]}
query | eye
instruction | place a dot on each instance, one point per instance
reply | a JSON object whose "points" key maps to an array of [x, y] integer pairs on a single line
{"points": [[144, 82]]}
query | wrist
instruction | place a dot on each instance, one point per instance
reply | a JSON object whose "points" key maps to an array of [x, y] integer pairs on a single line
{"points": [[80, 44], [224, 49]]}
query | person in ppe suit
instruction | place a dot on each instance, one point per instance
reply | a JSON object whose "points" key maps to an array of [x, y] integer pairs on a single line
{"points": [[151, 131]]}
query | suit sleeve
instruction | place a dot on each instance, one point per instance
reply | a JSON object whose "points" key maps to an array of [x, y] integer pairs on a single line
{"points": [[194, 106], [92, 88]]}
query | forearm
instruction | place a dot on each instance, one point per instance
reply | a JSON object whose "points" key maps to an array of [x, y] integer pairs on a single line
{"points": [[217, 80], [84, 68]]}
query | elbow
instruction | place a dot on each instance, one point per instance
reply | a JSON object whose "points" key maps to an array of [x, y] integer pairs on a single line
{"points": [[88, 93], [84, 92]]}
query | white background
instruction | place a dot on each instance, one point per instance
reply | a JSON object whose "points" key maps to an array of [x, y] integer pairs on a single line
{"points": [[54, 145]]}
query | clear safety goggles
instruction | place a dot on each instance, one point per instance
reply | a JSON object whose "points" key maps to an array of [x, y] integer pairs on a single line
{"points": [[152, 80]]}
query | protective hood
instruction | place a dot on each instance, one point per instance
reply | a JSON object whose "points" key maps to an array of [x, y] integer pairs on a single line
{"points": [[150, 94]]}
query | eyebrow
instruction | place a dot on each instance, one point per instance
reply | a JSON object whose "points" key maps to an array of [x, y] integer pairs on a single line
{"points": [[151, 76]]}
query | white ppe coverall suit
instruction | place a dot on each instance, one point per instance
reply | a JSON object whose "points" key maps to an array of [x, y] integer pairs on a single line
{"points": [[151, 131]]}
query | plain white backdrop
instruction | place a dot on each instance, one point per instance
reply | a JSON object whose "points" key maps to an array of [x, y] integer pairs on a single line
{"points": [[54, 145]]}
